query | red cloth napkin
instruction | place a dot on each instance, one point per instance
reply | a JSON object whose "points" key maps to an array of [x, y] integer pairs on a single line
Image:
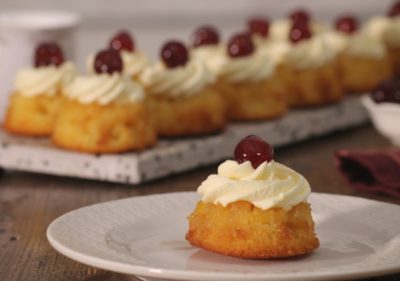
{"points": [[373, 171]]}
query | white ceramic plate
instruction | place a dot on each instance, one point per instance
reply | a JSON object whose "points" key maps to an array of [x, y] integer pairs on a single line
{"points": [[145, 236]]}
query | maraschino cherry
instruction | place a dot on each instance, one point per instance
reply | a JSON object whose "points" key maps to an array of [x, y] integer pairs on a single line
{"points": [[174, 54], [48, 53], [387, 91], [300, 30], [205, 35], [299, 16], [259, 26], [253, 149], [240, 45], [122, 41], [394, 10], [108, 61], [347, 24]]}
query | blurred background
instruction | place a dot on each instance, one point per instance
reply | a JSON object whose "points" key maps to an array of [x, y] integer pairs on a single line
{"points": [[155, 21]]}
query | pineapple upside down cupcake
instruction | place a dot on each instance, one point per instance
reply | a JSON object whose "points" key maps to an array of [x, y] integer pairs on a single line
{"points": [[387, 29], [180, 95], [311, 73], [104, 112], [255, 208], [248, 81], [38, 93], [134, 61], [363, 61]]}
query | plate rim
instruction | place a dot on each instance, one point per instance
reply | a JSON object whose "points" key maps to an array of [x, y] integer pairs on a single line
{"points": [[173, 274]]}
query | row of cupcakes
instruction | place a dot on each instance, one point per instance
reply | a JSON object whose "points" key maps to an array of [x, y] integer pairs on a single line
{"points": [[125, 101]]}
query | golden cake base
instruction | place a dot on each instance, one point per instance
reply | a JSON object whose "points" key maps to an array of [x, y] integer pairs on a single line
{"points": [[313, 87], [252, 101], [394, 58], [98, 128], [242, 230], [200, 114], [32, 116], [360, 75]]}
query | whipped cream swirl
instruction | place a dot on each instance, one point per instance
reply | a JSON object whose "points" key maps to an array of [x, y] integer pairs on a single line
{"points": [[365, 46], [133, 62], [271, 185], [44, 80], [210, 55], [256, 67], [278, 50], [104, 89], [386, 29], [310, 53], [186, 80], [280, 29]]}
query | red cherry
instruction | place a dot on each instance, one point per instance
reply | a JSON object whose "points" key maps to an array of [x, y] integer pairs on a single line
{"points": [[299, 16], [253, 149], [240, 45], [206, 35], [174, 54], [394, 10], [48, 53], [108, 61], [347, 24], [299, 31], [387, 91], [259, 26], [122, 41]]}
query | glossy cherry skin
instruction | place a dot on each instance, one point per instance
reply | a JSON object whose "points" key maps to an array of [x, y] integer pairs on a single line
{"points": [[387, 91], [347, 24], [108, 61], [174, 54], [299, 16], [259, 26], [48, 53], [240, 45], [205, 35], [122, 41], [394, 10], [300, 30], [253, 149]]}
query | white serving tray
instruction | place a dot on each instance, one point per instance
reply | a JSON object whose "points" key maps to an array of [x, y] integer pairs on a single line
{"points": [[178, 155]]}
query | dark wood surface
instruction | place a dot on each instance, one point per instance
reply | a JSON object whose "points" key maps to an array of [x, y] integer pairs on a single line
{"points": [[30, 202]]}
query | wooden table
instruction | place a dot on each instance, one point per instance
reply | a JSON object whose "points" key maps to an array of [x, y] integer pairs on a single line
{"points": [[30, 202]]}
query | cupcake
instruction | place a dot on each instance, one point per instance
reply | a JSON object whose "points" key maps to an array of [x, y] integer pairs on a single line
{"points": [[181, 96], [362, 59], [255, 208], [312, 77], [280, 29], [387, 29], [134, 61], [104, 112], [38, 93], [248, 81]]}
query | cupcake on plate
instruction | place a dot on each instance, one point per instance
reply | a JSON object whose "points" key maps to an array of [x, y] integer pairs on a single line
{"points": [[311, 69], [104, 112], [362, 59], [180, 95], [254, 208], [38, 92], [248, 81], [280, 29], [134, 61], [387, 29]]}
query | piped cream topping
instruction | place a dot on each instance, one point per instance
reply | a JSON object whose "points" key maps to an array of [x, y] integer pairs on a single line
{"points": [[133, 62], [210, 55], [271, 185], [44, 80], [186, 80], [104, 88], [310, 53], [386, 29], [280, 29]]}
